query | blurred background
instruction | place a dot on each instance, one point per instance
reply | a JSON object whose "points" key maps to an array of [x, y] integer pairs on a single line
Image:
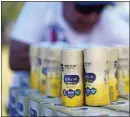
{"points": [[10, 12]]}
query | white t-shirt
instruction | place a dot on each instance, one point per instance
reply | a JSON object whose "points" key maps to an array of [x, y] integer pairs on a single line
{"points": [[37, 19]]}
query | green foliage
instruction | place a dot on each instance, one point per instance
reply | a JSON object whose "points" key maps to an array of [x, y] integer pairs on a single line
{"points": [[10, 10]]}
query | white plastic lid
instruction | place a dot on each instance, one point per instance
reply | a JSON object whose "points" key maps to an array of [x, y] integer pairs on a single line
{"points": [[96, 53], [71, 55]]}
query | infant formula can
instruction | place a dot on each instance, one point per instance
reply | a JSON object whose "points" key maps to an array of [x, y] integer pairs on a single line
{"points": [[34, 80], [43, 49], [123, 71], [25, 80], [53, 83], [96, 75], [112, 81], [121, 105], [22, 101], [72, 94], [13, 100]]}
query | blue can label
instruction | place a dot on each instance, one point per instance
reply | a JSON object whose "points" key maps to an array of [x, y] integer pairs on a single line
{"points": [[70, 93], [88, 91], [33, 112], [71, 79], [90, 77], [44, 71]]}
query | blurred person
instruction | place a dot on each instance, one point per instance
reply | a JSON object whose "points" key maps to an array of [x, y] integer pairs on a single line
{"points": [[123, 11], [70, 22]]}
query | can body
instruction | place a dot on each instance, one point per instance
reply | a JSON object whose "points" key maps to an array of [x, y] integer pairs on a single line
{"points": [[123, 71], [53, 84], [34, 79], [96, 75], [112, 80], [72, 94]]}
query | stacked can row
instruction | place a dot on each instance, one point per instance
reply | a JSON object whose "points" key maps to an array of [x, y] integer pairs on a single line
{"points": [[96, 74], [28, 102]]}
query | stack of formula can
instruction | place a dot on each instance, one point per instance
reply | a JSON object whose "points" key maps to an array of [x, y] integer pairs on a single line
{"points": [[81, 80]]}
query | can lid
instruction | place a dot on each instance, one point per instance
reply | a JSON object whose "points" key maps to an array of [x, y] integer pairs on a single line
{"points": [[71, 55], [43, 49], [96, 53]]}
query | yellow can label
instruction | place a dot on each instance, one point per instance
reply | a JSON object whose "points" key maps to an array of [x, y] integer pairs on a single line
{"points": [[53, 84], [97, 91], [72, 94], [123, 82], [72, 90], [34, 80], [113, 91], [43, 76]]}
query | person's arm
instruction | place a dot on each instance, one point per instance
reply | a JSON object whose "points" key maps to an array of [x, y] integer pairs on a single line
{"points": [[28, 29], [19, 56]]}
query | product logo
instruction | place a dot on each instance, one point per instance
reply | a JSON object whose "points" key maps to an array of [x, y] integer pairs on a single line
{"points": [[33, 112], [70, 93], [64, 92], [44, 71], [12, 99], [88, 91], [93, 91], [71, 79], [58, 104], [77, 92], [90, 77], [20, 106], [83, 108]]}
